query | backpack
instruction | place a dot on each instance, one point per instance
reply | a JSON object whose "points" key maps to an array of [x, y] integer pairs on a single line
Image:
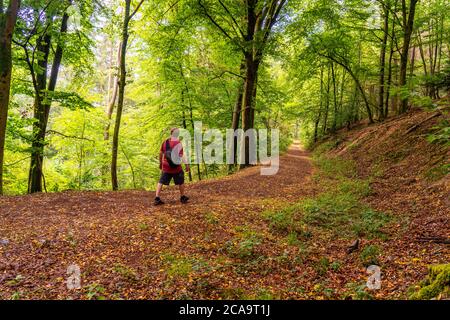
{"points": [[168, 155]]}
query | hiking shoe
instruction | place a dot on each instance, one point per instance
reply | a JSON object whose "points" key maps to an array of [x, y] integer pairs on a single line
{"points": [[184, 199], [158, 201]]}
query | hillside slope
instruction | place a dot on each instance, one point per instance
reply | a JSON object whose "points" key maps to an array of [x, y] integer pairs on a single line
{"points": [[409, 178], [408, 173]]}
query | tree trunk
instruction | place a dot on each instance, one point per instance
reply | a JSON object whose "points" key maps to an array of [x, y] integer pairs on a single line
{"points": [[7, 24], [333, 75], [122, 84], [341, 99], [197, 156], [408, 27], [383, 61], [251, 70], [185, 128], [248, 102], [42, 104], [37, 146], [391, 56], [113, 98], [237, 114], [319, 115], [327, 102], [388, 82]]}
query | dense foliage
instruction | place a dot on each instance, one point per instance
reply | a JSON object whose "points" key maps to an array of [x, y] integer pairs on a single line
{"points": [[317, 65]]}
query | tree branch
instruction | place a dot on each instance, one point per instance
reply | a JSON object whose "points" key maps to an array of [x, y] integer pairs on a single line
{"points": [[205, 11], [70, 137], [232, 18], [135, 10]]}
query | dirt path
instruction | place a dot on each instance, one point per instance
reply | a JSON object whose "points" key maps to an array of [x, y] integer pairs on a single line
{"points": [[127, 248], [218, 246]]}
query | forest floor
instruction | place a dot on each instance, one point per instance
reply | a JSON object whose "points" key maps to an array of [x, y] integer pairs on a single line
{"points": [[241, 236]]}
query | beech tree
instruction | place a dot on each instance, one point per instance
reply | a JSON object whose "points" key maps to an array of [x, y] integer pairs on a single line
{"points": [[251, 26], [127, 17]]}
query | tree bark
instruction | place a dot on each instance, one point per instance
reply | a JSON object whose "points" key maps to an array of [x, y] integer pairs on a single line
{"points": [[7, 24], [251, 70], [191, 118]]}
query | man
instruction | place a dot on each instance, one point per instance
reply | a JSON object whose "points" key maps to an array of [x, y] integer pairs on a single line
{"points": [[170, 156]]}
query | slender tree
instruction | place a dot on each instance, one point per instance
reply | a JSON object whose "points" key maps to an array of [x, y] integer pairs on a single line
{"points": [[8, 19], [128, 16], [408, 15], [381, 93]]}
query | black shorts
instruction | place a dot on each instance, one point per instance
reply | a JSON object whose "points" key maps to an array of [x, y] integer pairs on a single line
{"points": [[178, 178]]}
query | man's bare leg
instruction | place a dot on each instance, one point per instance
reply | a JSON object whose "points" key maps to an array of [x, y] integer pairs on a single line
{"points": [[181, 186], [158, 189], [158, 200]]}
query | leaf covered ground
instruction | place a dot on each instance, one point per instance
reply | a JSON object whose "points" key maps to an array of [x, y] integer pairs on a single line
{"points": [[241, 237]]}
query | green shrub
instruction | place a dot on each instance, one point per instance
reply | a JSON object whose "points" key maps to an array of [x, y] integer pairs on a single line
{"points": [[177, 266], [243, 245], [126, 272], [211, 218], [370, 224], [369, 255], [335, 266], [357, 291], [322, 266], [292, 239], [95, 292], [334, 166]]}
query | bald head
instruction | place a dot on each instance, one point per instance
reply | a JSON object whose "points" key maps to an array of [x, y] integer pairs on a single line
{"points": [[174, 132]]}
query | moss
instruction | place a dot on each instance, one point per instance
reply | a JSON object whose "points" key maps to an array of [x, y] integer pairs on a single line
{"points": [[436, 283]]}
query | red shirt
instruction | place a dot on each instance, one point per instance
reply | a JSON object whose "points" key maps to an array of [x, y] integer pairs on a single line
{"points": [[165, 164]]}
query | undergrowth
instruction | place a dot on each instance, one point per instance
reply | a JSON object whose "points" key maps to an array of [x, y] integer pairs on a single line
{"points": [[339, 209]]}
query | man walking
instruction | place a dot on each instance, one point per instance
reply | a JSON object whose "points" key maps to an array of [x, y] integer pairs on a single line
{"points": [[170, 158]]}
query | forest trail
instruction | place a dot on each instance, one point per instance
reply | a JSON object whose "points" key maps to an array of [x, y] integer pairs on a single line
{"points": [[237, 237], [122, 235]]}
